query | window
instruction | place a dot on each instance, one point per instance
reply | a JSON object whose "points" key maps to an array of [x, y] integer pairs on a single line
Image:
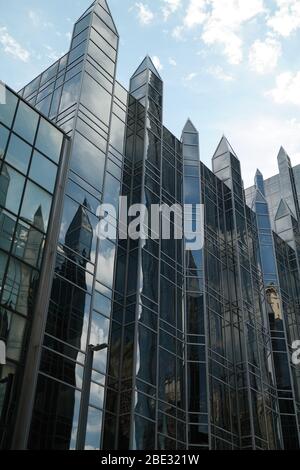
{"points": [[77, 230], [19, 287], [93, 433], [36, 206], [70, 92], [56, 405], [96, 99], [112, 191], [104, 30], [82, 24], [18, 154], [147, 364], [99, 330], [28, 244], [3, 261], [26, 122], [69, 312], [3, 140], [77, 52], [117, 134], [44, 105], [144, 437], [102, 59], [106, 262], [11, 188], [43, 172], [7, 111], [88, 162], [15, 337], [7, 228], [49, 140]]}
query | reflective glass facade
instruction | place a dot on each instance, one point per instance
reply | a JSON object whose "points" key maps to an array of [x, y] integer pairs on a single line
{"points": [[196, 343], [32, 151]]}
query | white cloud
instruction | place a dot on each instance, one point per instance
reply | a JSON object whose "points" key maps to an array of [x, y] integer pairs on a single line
{"points": [[177, 32], [221, 22], [287, 89], [196, 13], [52, 54], [37, 20], [157, 63], [257, 142], [172, 61], [12, 47], [190, 77], [145, 15], [170, 7], [225, 22], [264, 55], [219, 73], [286, 19]]}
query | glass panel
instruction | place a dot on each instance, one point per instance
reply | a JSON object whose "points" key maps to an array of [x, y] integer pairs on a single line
{"points": [[49, 140], [3, 261], [36, 206], [28, 244], [18, 154], [43, 172], [96, 99], [101, 58], [106, 262], [7, 111], [93, 431], [117, 134], [70, 92], [144, 437], [88, 161], [19, 287], [26, 122], [147, 364], [82, 24], [77, 52], [7, 227], [100, 329], [15, 337], [44, 106], [11, 189], [3, 140], [101, 27], [57, 408], [69, 311], [49, 73], [112, 191]]}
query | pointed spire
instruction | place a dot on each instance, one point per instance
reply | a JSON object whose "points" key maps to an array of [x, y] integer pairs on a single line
{"points": [[146, 64], [102, 9], [259, 182], [283, 210], [283, 156], [224, 147], [189, 127]]}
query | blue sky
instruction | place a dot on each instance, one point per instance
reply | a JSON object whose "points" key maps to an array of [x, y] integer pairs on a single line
{"points": [[232, 66]]}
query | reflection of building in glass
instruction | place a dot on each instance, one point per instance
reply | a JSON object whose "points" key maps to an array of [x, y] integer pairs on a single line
{"points": [[198, 341]]}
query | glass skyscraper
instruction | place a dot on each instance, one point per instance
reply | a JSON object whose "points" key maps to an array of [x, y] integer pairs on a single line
{"points": [[196, 345]]}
